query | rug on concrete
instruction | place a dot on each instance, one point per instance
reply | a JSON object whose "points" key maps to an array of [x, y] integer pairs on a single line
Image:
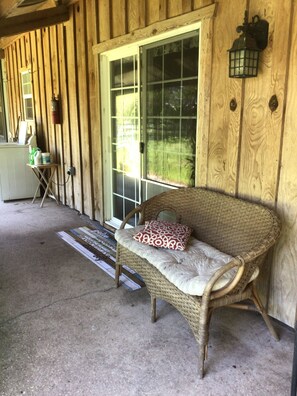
{"points": [[99, 246]]}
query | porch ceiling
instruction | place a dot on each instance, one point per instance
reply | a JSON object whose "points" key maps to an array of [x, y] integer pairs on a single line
{"points": [[20, 16], [10, 8]]}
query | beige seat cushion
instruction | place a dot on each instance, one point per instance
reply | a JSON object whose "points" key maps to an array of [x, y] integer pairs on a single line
{"points": [[189, 270]]}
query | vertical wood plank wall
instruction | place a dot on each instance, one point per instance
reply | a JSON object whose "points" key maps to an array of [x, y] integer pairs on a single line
{"points": [[251, 151]]}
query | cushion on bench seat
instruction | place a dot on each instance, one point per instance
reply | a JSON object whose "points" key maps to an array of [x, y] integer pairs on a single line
{"points": [[164, 234], [189, 270]]}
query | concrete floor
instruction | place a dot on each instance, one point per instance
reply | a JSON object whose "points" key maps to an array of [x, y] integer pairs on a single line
{"points": [[66, 330]]}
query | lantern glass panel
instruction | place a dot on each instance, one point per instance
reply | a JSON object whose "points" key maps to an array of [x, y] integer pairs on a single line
{"points": [[243, 63]]}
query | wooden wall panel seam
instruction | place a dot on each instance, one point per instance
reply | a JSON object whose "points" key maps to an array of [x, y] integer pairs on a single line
{"points": [[69, 199]]}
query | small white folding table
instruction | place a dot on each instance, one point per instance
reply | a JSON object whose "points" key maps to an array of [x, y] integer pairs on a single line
{"points": [[44, 174]]}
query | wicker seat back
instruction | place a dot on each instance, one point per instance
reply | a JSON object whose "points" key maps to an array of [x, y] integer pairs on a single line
{"points": [[229, 224]]}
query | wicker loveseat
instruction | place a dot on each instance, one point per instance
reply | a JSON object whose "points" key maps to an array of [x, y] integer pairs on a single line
{"points": [[241, 229]]}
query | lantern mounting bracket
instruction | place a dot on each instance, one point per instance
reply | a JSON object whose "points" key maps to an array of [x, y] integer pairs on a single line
{"points": [[258, 29]]}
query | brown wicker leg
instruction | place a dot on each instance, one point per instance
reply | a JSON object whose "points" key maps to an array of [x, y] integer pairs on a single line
{"points": [[202, 351], [153, 309], [205, 317], [118, 271], [256, 299]]}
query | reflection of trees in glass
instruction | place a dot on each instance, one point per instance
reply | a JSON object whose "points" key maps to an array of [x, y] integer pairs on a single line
{"points": [[169, 166], [129, 104], [172, 96], [124, 103], [171, 111], [154, 64], [126, 158], [171, 157], [190, 162], [154, 100], [124, 72], [125, 131], [190, 57], [172, 60], [189, 98]]}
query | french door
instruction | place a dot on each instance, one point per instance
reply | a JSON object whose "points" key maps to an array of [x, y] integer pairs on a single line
{"points": [[149, 119], [121, 116]]}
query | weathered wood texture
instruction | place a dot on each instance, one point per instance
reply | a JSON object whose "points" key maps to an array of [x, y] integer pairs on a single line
{"points": [[262, 129], [249, 152], [224, 135], [283, 286]]}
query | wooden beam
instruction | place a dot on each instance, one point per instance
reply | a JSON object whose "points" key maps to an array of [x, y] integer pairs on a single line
{"points": [[18, 9], [2, 55], [10, 8], [7, 41], [32, 21], [6, 6], [156, 28]]}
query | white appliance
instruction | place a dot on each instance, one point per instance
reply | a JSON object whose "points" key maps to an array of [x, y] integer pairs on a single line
{"points": [[17, 180]]}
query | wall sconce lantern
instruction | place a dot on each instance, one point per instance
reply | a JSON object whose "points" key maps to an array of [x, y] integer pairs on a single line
{"points": [[244, 54]]}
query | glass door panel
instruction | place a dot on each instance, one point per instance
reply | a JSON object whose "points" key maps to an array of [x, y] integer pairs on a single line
{"points": [[124, 138], [169, 104]]}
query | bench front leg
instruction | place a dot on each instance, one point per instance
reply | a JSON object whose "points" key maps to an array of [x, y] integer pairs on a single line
{"points": [[118, 272], [153, 309]]}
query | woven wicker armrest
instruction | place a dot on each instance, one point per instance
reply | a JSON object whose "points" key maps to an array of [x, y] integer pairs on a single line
{"points": [[208, 291], [138, 209]]}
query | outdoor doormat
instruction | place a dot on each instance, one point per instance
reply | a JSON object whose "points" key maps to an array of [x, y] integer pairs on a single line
{"points": [[99, 246]]}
